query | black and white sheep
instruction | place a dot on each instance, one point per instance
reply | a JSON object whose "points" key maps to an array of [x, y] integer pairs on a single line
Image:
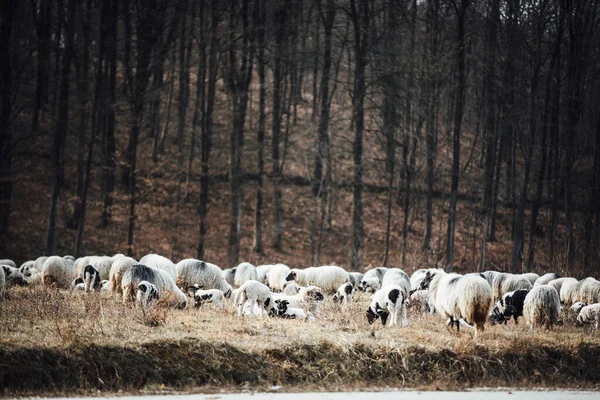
{"points": [[355, 278], [146, 295], [195, 272], [344, 293], [308, 298], [590, 314], [168, 292], [13, 276], [283, 310], [371, 280], [395, 276], [502, 282], [91, 279], [159, 262], [544, 279], [118, 268], [542, 307], [58, 271], [509, 306], [251, 294], [329, 277], [389, 301], [457, 297], [202, 296]]}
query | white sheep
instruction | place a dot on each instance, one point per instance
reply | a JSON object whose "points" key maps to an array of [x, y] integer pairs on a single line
{"points": [[531, 277], [589, 291], [276, 276], [244, 272], [146, 295], [13, 276], [261, 272], [542, 307], [168, 292], [160, 262], [544, 279], [395, 276], [191, 272], [251, 294], [459, 297], [291, 288], [388, 301], [8, 262], [308, 298], [558, 283], [117, 270], [28, 268], [284, 311], [202, 296], [569, 291], [344, 293], [329, 277], [35, 279], [58, 271], [589, 314], [355, 278]]}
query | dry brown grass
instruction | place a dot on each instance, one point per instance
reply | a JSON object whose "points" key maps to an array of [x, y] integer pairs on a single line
{"points": [[101, 344]]}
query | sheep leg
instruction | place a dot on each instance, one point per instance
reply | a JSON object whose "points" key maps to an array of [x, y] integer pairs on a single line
{"points": [[404, 321], [240, 309]]}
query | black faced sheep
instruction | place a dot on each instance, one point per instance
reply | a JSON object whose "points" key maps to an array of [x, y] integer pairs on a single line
{"points": [[146, 295], [13, 277], [542, 307], [168, 292], [251, 294], [389, 301], [509, 306], [344, 293], [329, 278], [284, 311]]}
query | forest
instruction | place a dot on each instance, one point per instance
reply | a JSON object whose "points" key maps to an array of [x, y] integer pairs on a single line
{"points": [[410, 133]]}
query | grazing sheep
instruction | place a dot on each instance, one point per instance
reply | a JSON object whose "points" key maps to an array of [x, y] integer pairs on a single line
{"points": [[91, 279], [419, 275], [590, 313], [395, 276], [459, 297], [207, 296], [261, 272], [355, 278], [78, 285], [542, 307], [58, 271], [13, 277], [284, 311], [388, 301], [509, 305], [419, 301], [577, 306], [254, 293], [291, 288], [370, 285], [531, 277], [167, 290], [344, 293], [8, 262], [589, 291], [276, 275], [117, 270], [146, 295], [28, 268], [160, 262], [191, 272], [544, 279], [244, 272], [329, 278], [39, 262], [569, 291], [308, 298], [101, 263], [558, 283], [229, 275], [502, 283]]}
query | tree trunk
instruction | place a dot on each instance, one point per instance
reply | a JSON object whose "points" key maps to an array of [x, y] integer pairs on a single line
{"points": [[260, 18], [43, 25]]}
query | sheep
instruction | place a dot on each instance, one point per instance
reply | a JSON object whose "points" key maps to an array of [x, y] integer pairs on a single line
{"points": [[254, 293], [276, 276], [389, 300], [101, 263], [531, 277], [35, 279], [589, 291], [146, 295], [284, 311], [28, 268], [459, 297], [502, 283], [329, 278], [344, 293], [544, 279], [569, 291], [244, 272], [371, 285], [58, 271], [577, 306], [377, 272], [419, 300], [160, 278], [308, 298], [91, 278], [291, 288], [542, 307], [104, 286], [590, 313], [395, 276], [207, 296], [558, 283], [160, 262], [117, 269], [510, 305], [8, 262], [229, 275], [419, 275], [191, 271], [261, 272], [13, 277], [39, 263], [355, 278], [78, 285]]}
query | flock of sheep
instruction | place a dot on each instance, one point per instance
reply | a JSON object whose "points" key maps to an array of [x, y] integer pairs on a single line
{"points": [[469, 300]]}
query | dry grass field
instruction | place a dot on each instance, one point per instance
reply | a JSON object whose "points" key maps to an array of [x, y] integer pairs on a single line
{"points": [[63, 342]]}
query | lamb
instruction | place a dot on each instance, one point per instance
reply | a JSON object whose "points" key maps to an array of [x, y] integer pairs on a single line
{"points": [[329, 278], [146, 295], [459, 297], [355, 278], [28, 268], [395, 276], [370, 285], [387, 301], [207, 296], [261, 272], [167, 290], [160, 262], [13, 277], [117, 270], [531, 277], [419, 300], [542, 307], [577, 306], [244, 273], [58, 271], [344, 293], [191, 271], [291, 288], [254, 293], [276, 276], [284, 311], [510, 305], [589, 314], [544, 279], [308, 298]]}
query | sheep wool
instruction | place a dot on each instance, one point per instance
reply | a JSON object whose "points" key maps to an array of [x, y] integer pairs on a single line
{"points": [[329, 278], [544, 279], [168, 292], [191, 271], [251, 294], [243, 273], [542, 307], [160, 262], [590, 314], [117, 270], [58, 271]]}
